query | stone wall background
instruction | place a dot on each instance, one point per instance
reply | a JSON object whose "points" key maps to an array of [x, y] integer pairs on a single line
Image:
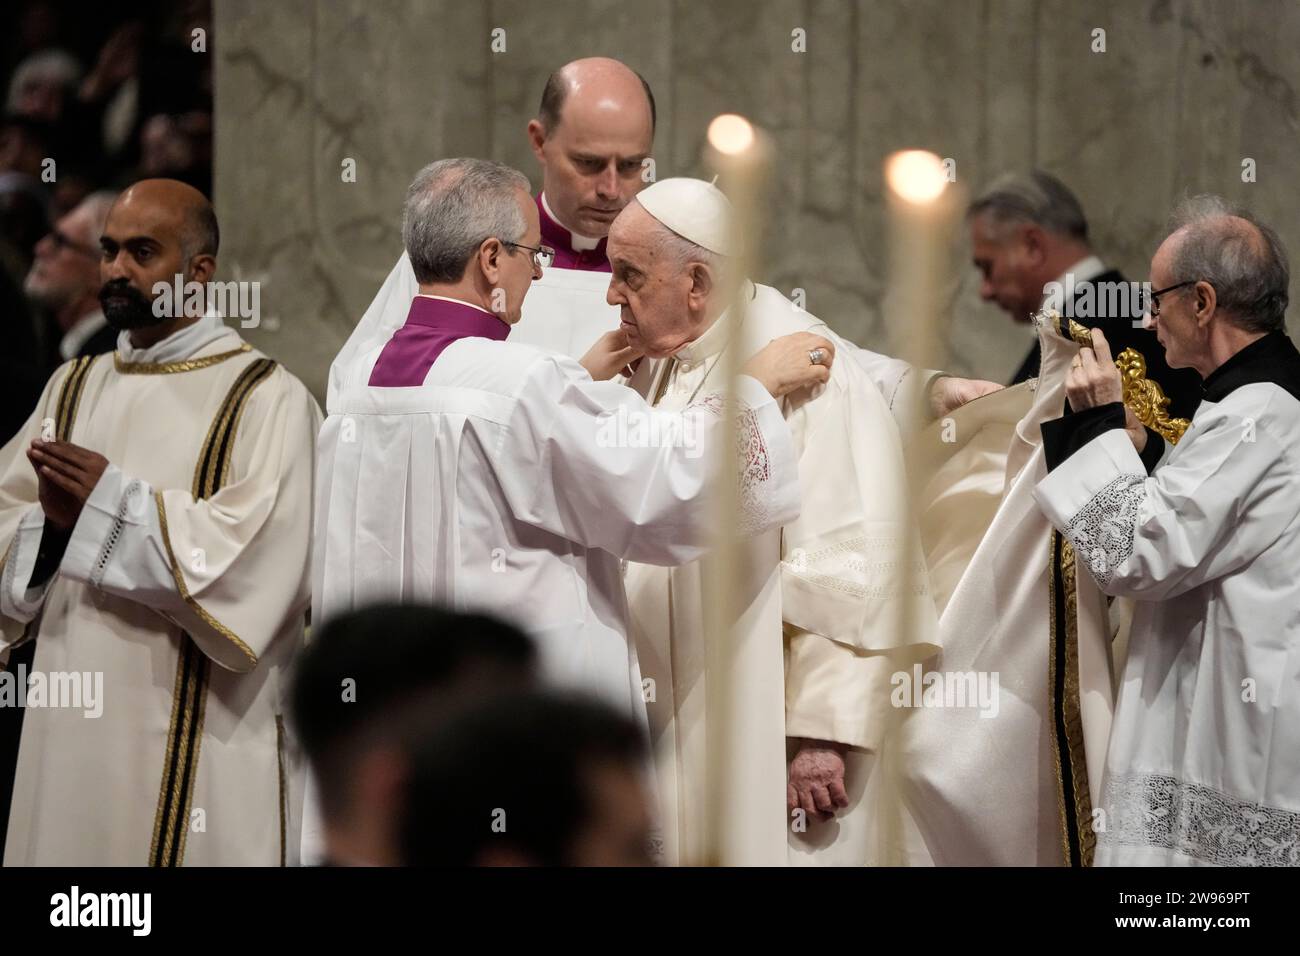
{"points": [[1184, 92]]}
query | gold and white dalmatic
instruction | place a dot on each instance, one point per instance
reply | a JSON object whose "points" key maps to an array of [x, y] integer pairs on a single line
{"points": [[185, 584], [819, 612]]}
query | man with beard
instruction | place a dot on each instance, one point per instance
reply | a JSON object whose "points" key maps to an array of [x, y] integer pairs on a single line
{"points": [[155, 516]]}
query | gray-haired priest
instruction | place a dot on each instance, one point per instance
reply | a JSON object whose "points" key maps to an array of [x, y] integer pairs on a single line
{"points": [[1203, 765]]}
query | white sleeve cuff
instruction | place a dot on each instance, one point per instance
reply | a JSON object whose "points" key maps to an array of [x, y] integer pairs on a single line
{"points": [[17, 601], [1081, 477], [117, 520]]}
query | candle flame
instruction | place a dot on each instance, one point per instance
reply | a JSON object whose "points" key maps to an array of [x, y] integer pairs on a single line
{"points": [[731, 134], [916, 176]]}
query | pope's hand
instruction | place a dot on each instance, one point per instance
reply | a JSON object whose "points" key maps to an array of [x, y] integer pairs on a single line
{"points": [[785, 365], [66, 475], [1093, 379], [817, 779], [949, 393], [609, 356]]}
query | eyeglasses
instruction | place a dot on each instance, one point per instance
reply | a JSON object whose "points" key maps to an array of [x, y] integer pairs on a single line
{"points": [[1153, 298], [63, 242], [543, 256]]}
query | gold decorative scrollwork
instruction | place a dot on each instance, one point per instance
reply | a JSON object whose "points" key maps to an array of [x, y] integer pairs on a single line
{"points": [[1143, 395]]}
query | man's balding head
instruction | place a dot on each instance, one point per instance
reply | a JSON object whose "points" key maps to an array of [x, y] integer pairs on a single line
{"points": [[593, 131], [1243, 259], [614, 79], [1223, 276], [157, 229]]}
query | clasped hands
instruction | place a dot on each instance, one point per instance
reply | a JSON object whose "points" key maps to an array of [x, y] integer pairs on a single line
{"points": [[66, 475]]}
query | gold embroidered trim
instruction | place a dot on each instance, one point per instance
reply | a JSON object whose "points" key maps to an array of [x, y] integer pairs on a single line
{"points": [[1079, 798], [1074, 709], [194, 605], [210, 443], [168, 368], [280, 758], [181, 761], [70, 397], [213, 467], [189, 695]]}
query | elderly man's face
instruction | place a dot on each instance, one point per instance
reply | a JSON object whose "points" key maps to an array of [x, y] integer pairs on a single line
{"points": [[1009, 269], [66, 267], [653, 292], [1175, 326]]}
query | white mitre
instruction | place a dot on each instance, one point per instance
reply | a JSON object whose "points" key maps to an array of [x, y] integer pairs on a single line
{"points": [[695, 210]]}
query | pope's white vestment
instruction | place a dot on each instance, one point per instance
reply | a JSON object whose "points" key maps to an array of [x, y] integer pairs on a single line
{"points": [[821, 604], [183, 589]]}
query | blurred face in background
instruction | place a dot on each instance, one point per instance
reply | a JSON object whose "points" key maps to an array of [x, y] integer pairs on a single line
{"points": [[66, 267], [1011, 260]]}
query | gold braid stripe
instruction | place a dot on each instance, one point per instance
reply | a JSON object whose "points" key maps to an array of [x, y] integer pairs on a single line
{"points": [[70, 396], [210, 442], [168, 368], [189, 695], [194, 605], [65, 415], [215, 460], [180, 766], [1082, 795], [284, 797]]}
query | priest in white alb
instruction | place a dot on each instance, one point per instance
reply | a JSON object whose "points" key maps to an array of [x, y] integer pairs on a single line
{"points": [[822, 596], [1203, 766], [154, 521], [460, 467]]}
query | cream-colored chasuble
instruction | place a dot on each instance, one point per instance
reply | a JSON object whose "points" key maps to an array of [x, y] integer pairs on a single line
{"points": [[183, 590], [821, 603], [1014, 783]]}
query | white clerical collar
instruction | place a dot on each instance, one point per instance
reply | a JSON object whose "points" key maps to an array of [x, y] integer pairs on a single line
{"points": [[579, 243], [444, 298], [1085, 270], [180, 345], [713, 339], [81, 333]]}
